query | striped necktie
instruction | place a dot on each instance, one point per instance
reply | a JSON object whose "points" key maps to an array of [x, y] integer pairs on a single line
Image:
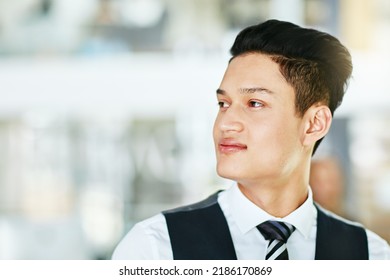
{"points": [[277, 233]]}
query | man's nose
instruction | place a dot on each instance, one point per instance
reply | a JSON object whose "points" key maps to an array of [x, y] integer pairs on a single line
{"points": [[231, 121]]}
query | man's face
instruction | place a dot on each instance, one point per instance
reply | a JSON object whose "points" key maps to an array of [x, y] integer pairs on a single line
{"points": [[257, 133]]}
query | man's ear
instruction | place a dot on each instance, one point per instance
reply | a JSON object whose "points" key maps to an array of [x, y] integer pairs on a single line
{"points": [[317, 121]]}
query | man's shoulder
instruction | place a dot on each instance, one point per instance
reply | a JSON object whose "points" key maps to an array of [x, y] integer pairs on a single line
{"points": [[378, 247], [139, 242], [337, 218], [150, 222]]}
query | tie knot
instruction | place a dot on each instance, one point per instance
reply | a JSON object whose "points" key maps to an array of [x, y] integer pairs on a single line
{"points": [[276, 230]]}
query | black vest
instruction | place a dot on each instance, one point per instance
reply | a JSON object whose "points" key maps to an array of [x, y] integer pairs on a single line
{"points": [[200, 232]]}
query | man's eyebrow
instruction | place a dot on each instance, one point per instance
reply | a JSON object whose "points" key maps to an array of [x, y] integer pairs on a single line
{"points": [[252, 90], [249, 90], [220, 91]]}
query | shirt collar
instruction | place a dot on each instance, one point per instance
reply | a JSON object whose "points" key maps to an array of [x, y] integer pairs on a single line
{"points": [[302, 218]]}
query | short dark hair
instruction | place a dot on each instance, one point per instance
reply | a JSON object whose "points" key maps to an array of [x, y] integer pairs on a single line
{"points": [[314, 63]]}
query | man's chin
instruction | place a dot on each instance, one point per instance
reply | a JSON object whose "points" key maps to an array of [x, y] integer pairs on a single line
{"points": [[228, 173]]}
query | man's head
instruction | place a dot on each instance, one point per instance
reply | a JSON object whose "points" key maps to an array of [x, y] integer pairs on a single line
{"points": [[314, 63], [276, 100]]}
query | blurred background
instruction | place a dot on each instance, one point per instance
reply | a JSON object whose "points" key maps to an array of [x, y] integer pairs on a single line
{"points": [[107, 108]]}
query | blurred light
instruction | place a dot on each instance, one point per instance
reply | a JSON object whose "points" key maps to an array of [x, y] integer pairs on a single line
{"points": [[142, 13], [8, 241], [382, 192], [101, 218]]}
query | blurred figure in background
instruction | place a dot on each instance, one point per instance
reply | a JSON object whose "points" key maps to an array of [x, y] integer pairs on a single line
{"points": [[327, 183]]}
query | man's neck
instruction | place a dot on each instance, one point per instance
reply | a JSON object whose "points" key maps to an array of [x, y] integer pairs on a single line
{"points": [[277, 200]]}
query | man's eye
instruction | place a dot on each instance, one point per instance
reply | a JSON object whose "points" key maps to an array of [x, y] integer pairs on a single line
{"points": [[223, 104], [255, 104]]}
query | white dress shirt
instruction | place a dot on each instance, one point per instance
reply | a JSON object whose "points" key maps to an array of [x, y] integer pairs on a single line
{"points": [[149, 239]]}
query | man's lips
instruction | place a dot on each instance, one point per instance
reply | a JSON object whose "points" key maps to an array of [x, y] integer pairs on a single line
{"points": [[231, 146]]}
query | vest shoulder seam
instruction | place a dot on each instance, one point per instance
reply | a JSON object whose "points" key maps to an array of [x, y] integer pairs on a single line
{"points": [[210, 201]]}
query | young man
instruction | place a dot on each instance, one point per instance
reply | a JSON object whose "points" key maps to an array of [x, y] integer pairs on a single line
{"points": [[276, 101]]}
